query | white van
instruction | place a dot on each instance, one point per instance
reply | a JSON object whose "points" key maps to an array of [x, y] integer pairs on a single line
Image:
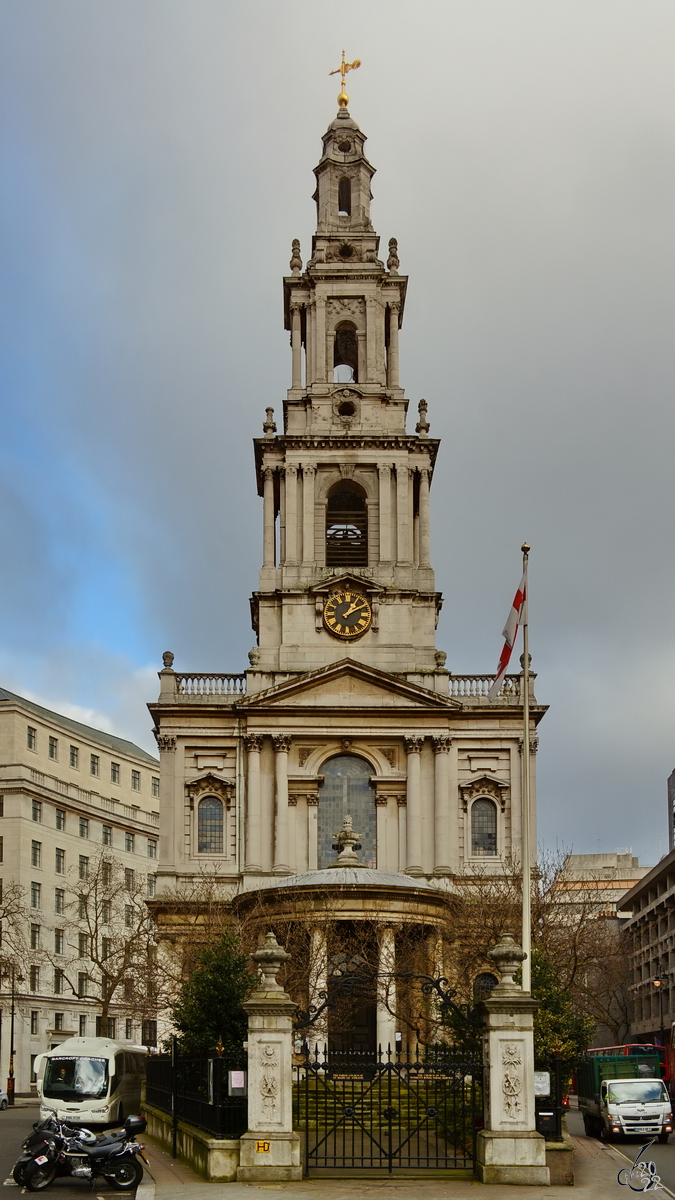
{"points": [[91, 1081]]}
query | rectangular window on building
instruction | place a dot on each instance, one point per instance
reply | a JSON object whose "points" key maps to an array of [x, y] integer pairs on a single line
{"points": [[149, 1033], [61, 819], [129, 842], [34, 979], [105, 912], [83, 1025], [36, 854], [82, 909], [84, 867], [58, 941], [2, 806], [34, 1021], [128, 916], [35, 937], [74, 757], [155, 787], [59, 900], [82, 983], [128, 989], [58, 982], [136, 780], [58, 1021], [152, 848], [82, 945], [129, 879], [60, 861], [106, 947], [106, 874], [151, 885], [94, 765], [36, 811], [110, 1029], [53, 747], [31, 737], [129, 1029], [114, 772], [106, 835], [84, 827], [36, 895], [2, 849]]}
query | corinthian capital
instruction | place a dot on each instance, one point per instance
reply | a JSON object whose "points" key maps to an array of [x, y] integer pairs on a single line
{"points": [[282, 743], [413, 745]]}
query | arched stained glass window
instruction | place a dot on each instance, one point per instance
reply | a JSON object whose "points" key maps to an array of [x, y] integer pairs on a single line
{"points": [[347, 791], [483, 828], [210, 826]]}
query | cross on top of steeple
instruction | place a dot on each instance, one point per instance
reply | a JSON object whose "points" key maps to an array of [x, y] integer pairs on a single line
{"points": [[343, 98]]}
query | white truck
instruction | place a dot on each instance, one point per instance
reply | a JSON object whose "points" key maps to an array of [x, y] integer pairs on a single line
{"points": [[624, 1096]]}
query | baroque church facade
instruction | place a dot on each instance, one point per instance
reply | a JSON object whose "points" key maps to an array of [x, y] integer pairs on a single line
{"points": [[347, 718]]}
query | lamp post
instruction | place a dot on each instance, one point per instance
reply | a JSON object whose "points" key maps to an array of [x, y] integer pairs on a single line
{"points": [[11, 974], [659, 982]]}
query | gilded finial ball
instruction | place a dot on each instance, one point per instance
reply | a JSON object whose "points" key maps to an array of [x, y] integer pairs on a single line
{"points": [[525, 548]]}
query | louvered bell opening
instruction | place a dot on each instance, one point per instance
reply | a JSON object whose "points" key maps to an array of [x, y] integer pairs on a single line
{"points": [[346, 529]]}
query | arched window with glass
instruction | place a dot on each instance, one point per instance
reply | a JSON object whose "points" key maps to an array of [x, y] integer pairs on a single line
{"points": [[347, 791], [210, 824], [483, 828], [347, 526]]}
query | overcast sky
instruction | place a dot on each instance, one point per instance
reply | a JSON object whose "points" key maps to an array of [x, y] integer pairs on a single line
{"points": [[156, 160]]}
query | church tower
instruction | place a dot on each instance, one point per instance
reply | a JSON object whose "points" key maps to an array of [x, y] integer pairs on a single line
{"points": [[346, 566]]}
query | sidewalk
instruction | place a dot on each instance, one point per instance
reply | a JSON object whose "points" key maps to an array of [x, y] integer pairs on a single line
{"points": [[596, 1167]]}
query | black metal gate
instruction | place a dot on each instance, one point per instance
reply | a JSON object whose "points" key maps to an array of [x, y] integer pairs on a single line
{"points": [[388, 1112]]}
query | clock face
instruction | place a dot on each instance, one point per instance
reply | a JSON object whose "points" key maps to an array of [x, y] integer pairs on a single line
{"points": [[347, 614]]}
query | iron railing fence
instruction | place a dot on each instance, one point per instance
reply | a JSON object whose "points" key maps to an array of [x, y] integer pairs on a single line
{"points": [[199, 1091]]}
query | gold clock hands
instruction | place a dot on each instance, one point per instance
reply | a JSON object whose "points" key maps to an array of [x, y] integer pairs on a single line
{"points": [[353, 608]]}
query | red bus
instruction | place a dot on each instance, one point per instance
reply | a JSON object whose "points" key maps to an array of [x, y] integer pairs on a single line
{"points": [[641, 1048]]}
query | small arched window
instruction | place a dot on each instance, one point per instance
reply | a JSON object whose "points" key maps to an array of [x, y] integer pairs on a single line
{"points": [[346, 526], [483, 985], [210, 826], [346, 354], [345, 198], [483, 828]]}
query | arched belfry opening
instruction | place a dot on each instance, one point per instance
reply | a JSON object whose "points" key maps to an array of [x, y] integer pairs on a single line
{"points": [[346, 525], [347, 791], [346, 354], [345, 197]]}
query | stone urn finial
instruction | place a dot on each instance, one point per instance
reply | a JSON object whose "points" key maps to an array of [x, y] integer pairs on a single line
{"points": [[167, 659], [507, 956], [346, 839], [270, 955]]}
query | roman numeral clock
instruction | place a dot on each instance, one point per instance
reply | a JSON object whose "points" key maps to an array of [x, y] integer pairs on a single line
{"points": [[347, 614]]}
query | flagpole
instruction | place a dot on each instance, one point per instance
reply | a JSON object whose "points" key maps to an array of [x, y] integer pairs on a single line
{"points": [[525, 790]]}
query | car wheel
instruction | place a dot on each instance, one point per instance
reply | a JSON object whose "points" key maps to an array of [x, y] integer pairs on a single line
{"points": [[126, 1175], [663, 1138], [3, 1104], [39, 1175]]}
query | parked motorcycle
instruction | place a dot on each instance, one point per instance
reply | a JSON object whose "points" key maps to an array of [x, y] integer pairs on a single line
{"points": [[67, 1152], [43, 1131]]}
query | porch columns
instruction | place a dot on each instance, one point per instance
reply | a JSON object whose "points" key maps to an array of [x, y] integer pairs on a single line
{"points": [[308, 473], [386, 991], [253, 812], [282, 743], [442, 822], [413, 747], [268, 517]]}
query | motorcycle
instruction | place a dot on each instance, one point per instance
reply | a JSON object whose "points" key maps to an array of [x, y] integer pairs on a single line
{"points": [[44, 1131], [82, 1155]]}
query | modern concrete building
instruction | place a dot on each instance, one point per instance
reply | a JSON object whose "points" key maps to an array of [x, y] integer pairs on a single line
{"points": [[66, 792], [606, 877], [651, 928], [347, 718]]}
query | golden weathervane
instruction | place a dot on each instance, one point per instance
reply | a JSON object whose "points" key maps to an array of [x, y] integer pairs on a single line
{"points": [[343, 98]]}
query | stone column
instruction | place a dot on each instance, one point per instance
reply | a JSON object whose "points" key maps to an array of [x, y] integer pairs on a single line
{"points": [[317, 1034], [269, 1150], [386, 992], [509, 1149], [296, 347], [253, 804], [171, 786], [413, 746], [282, 744], [291, 514], [442, 822], [308, 474], [402, 513], [371, 341], [392, 357], [312, 830], [268, 517], [321, 365], [381, 806], [425, 546], [384, 473]]}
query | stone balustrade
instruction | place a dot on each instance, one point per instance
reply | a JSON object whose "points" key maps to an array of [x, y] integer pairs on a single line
{"points": [[477, 686], [211, 685]]}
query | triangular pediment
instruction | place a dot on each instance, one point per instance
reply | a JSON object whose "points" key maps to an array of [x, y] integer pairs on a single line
{"points": [[348, 682], [348, 579]]}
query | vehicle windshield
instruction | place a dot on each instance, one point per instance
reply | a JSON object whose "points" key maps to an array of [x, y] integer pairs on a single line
{"points": [[648, 1091], [75, 1079]]}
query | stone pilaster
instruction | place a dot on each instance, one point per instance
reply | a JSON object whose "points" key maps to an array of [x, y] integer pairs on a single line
{"points": [[268, 517], [253, 804], [282, 744], [269, 1150], [413, 746], [308, 475], [509, 1149], [443, 827]]}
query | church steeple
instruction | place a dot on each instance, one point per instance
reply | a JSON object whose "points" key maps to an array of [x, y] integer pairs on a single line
{"points": [[345, 486]]}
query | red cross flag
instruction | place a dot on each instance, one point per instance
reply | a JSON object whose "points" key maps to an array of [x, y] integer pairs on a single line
{"points": [[516, 617]]}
